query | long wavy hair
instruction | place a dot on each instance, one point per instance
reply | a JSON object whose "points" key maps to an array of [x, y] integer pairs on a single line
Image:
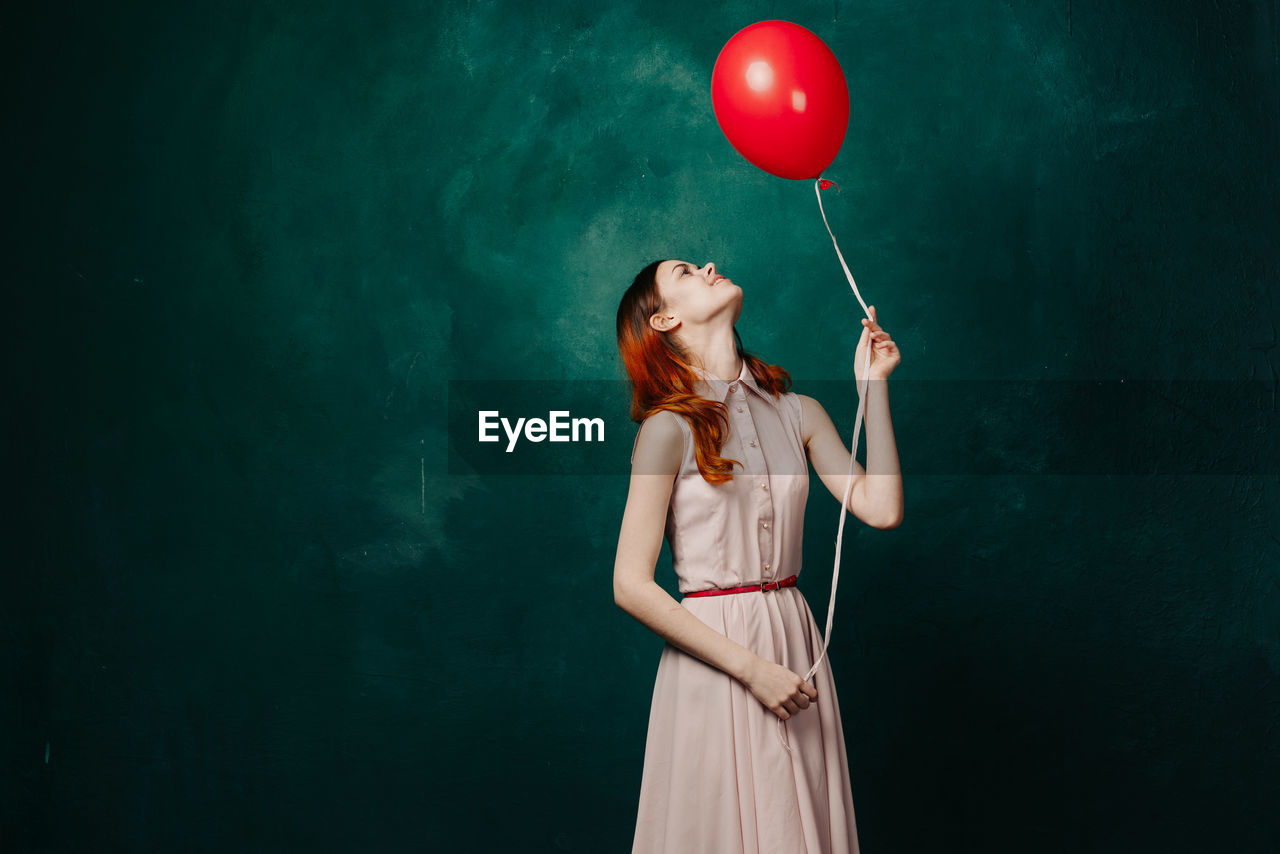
{"points": [[661, 377]]}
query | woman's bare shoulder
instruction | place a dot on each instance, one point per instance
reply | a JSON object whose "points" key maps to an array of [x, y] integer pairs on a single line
{"points": [[659, 446], [811, 415], [807, 401]]}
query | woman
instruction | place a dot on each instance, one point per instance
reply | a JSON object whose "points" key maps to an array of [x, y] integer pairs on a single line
{"points": [[721, 465]]}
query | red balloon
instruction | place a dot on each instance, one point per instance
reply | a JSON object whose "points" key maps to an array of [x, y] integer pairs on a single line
{"points": [[781, 99]]}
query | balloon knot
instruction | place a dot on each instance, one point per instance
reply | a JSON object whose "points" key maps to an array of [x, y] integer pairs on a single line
{"points": [[823, 183]]}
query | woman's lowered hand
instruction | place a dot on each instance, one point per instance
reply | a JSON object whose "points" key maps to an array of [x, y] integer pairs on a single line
{"points": [[783, 692]]}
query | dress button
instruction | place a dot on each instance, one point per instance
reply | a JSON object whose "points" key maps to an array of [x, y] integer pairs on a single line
{"points": [[739, 408], [733, 387], [766, 524], [764, 486], [766, 566], [752, 443]]}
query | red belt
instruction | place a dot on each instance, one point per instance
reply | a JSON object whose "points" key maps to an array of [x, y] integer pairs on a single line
{"points": [[762, 586]]}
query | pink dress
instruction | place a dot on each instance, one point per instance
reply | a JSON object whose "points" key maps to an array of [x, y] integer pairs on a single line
{"points": [[717, 778]]}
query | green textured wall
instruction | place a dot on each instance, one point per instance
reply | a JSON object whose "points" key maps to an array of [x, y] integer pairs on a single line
{"points": [[249, 604]]}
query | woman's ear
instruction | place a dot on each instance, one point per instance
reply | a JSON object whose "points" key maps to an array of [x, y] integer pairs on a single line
{"points": [[663, 322]]}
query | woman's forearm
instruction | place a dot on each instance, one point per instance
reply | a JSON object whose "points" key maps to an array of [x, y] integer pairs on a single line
{"points": [[655, 608], [882, 488]]}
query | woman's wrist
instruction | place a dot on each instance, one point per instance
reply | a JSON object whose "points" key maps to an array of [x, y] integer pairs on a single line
{"points": [[744, 665], [869, 385]]}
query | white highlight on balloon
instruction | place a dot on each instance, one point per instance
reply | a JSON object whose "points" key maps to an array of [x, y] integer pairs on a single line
{"points": [[797, 100], [760, 75]]}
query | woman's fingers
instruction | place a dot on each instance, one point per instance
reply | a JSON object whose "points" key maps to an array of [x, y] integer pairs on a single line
{"points": [[881, 339], [804, 695], [789, 694]]}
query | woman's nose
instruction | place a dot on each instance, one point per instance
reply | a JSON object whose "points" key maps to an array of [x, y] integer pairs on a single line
{"points": [[710, 268]]}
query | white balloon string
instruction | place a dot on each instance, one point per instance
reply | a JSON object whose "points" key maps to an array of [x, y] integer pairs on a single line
{"points": [[853, 454]]}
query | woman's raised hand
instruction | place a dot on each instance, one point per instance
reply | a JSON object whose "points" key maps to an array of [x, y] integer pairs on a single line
{"points": [[784, 693], [884, 353]]}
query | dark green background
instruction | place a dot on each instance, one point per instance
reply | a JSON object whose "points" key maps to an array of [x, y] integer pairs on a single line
{"points": [[246, 605]]}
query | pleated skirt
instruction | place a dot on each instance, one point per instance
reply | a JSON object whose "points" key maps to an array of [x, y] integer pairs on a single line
{"points": [[716, 778]]}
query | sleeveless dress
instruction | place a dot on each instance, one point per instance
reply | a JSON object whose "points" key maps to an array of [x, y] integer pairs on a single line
{"points": [[717, 778]]}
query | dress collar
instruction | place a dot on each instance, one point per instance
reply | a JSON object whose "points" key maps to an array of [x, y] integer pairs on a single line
{"points": [[719, 389]]}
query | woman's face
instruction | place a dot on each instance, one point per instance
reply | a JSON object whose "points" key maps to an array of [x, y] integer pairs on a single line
{"points": [[695, 295]]}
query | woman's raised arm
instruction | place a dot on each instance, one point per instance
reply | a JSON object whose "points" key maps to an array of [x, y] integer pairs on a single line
{"points": [[876, 500]]}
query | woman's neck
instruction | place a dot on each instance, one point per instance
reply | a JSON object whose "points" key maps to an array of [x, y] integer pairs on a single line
{"points": [[719, 356]]}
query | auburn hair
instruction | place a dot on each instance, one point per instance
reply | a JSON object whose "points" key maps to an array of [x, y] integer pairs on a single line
{"points": [[661, 376]]}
